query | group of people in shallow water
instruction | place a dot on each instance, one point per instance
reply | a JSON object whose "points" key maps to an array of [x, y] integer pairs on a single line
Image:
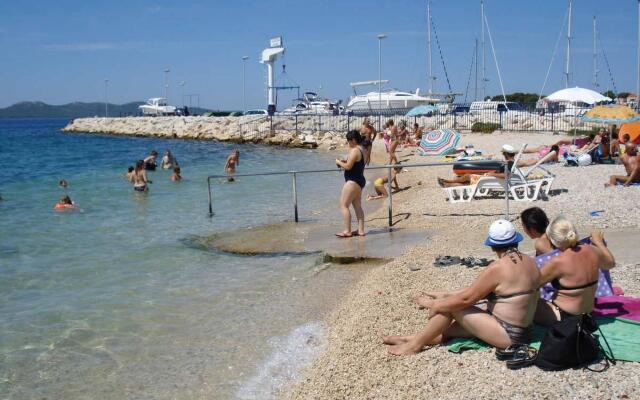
{"points": [[502, 304], [138, 175]]}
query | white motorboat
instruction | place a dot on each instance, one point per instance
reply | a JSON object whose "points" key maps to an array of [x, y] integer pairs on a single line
{"points": [[157, 106], [389, 101], [310, 103]]}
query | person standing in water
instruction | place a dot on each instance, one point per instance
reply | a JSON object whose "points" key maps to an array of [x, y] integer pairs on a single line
{"points": [[354, 183], [233, 160], [169, 161], [175, 177], [140, 181], [368, 133]]}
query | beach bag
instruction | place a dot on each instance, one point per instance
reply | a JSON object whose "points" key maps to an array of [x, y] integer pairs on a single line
{"points": [[570, 343]]}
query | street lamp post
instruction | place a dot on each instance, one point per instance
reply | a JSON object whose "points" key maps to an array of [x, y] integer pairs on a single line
{"points": [[380, 37], [244, 99], [166, 84], [182, 92], [106, 103]]}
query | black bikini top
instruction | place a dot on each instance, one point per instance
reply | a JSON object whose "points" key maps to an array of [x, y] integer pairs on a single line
{"points": [[494, 297], [558, 286]]}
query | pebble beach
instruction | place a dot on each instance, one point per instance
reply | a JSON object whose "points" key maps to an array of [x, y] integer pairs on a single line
{"points": [[356, 365]]}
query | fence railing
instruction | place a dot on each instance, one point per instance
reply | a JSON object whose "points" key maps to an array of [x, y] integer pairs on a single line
{"points": [[458, 116], [294, 184]]}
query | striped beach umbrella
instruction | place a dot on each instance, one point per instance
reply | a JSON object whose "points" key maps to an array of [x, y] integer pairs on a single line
{"points": [[439, 142]]}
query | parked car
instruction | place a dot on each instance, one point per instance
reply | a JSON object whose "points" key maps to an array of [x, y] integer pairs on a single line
{"points": [[256, 112]]}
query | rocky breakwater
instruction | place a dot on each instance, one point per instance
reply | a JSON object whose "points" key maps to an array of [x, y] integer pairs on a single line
{"points": [[282, 131]]}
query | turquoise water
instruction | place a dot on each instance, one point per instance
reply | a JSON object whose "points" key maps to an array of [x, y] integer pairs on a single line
{"points": [[115, 300]]}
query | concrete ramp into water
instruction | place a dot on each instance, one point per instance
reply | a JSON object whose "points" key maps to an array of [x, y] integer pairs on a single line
{"points": [[303, 238]]}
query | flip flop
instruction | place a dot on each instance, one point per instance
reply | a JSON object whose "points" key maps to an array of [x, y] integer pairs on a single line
{"points": [[355, 233], [343, 235], [524, 356]]}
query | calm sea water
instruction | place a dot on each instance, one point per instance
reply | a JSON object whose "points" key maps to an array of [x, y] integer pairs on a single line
{"points": [[115, 301]]}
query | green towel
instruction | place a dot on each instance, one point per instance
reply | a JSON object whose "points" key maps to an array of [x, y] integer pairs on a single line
{"points": [[623, 336]]}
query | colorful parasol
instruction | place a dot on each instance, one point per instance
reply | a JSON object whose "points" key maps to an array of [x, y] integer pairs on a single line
{"points": [[439, 142]]}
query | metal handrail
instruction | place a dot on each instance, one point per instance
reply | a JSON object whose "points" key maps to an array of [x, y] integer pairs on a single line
{"points": [[388, 167]]}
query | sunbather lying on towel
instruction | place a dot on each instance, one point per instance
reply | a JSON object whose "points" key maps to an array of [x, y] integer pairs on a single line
{"points": [[574, 273], [631, 162], [510, 286], [469, 179], [533, 161]]}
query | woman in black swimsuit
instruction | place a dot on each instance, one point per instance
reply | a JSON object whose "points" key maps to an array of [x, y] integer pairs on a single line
{"points": [[510, 287], [354, 182], [574, 273]]}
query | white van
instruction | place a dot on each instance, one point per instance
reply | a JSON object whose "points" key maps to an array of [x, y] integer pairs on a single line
{"points": [[479, 107]]}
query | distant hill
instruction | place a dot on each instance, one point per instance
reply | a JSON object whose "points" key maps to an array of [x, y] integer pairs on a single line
{"points": [[38, 109]]}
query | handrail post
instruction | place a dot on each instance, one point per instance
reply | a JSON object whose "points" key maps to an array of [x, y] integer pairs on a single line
{"points": [[390, 199], [507, 175], [295, 198], [210, 201]]}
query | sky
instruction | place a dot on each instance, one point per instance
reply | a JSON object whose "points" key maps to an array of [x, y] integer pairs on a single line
{"points": [[62, 51]]}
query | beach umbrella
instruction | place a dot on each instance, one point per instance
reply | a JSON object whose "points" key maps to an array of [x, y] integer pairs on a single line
{"points": [[421, 110], [577, 94], [611, 114], [441, 141]]}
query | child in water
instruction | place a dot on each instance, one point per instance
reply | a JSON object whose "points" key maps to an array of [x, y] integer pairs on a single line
{"points": [[175, 177], [65, 203], [379, 184]]}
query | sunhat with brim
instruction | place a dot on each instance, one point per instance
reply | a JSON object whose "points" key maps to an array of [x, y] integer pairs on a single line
{"points": [[507, 148], [502, 233]]}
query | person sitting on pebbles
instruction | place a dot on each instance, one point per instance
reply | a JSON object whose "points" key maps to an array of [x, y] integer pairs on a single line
{"points": [[510, 286], [631, 165], [508, 153], [379, 184]]}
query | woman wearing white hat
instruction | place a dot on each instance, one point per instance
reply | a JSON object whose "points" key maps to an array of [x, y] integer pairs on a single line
{"points": [[510, 287]]}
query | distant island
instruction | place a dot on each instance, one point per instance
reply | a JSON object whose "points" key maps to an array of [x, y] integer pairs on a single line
{"points": [[38, 109]]}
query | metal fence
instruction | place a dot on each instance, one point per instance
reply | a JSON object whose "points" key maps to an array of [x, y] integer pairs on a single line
{"points": [[294, 182], [461, 117]]}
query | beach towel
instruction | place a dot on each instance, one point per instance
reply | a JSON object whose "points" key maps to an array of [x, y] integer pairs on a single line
{"points": [[618, 306], [547, 292], [623, 336]]}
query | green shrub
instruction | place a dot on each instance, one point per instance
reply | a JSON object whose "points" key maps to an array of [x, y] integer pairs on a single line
{"points": [[485, 127]]}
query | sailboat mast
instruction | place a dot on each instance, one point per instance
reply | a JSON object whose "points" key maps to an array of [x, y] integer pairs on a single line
{"points": [[431, 78], [475, 58], [484, 65], [595, 55], [566, 70]]}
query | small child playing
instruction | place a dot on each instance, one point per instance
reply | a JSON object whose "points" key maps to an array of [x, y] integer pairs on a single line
{"points": [[379, 185], [64, 203], [175, 177]]}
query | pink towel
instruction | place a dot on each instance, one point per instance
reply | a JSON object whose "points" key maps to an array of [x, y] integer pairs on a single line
{"points": [[618, 306]]}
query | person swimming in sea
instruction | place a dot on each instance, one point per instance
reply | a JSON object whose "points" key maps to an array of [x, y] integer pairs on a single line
{"points": [[129, 174], [150, 162], [233, 160], [380, 185], [169, 161], [63, 184], [175, 177], [140, 181], [65, 203]]}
